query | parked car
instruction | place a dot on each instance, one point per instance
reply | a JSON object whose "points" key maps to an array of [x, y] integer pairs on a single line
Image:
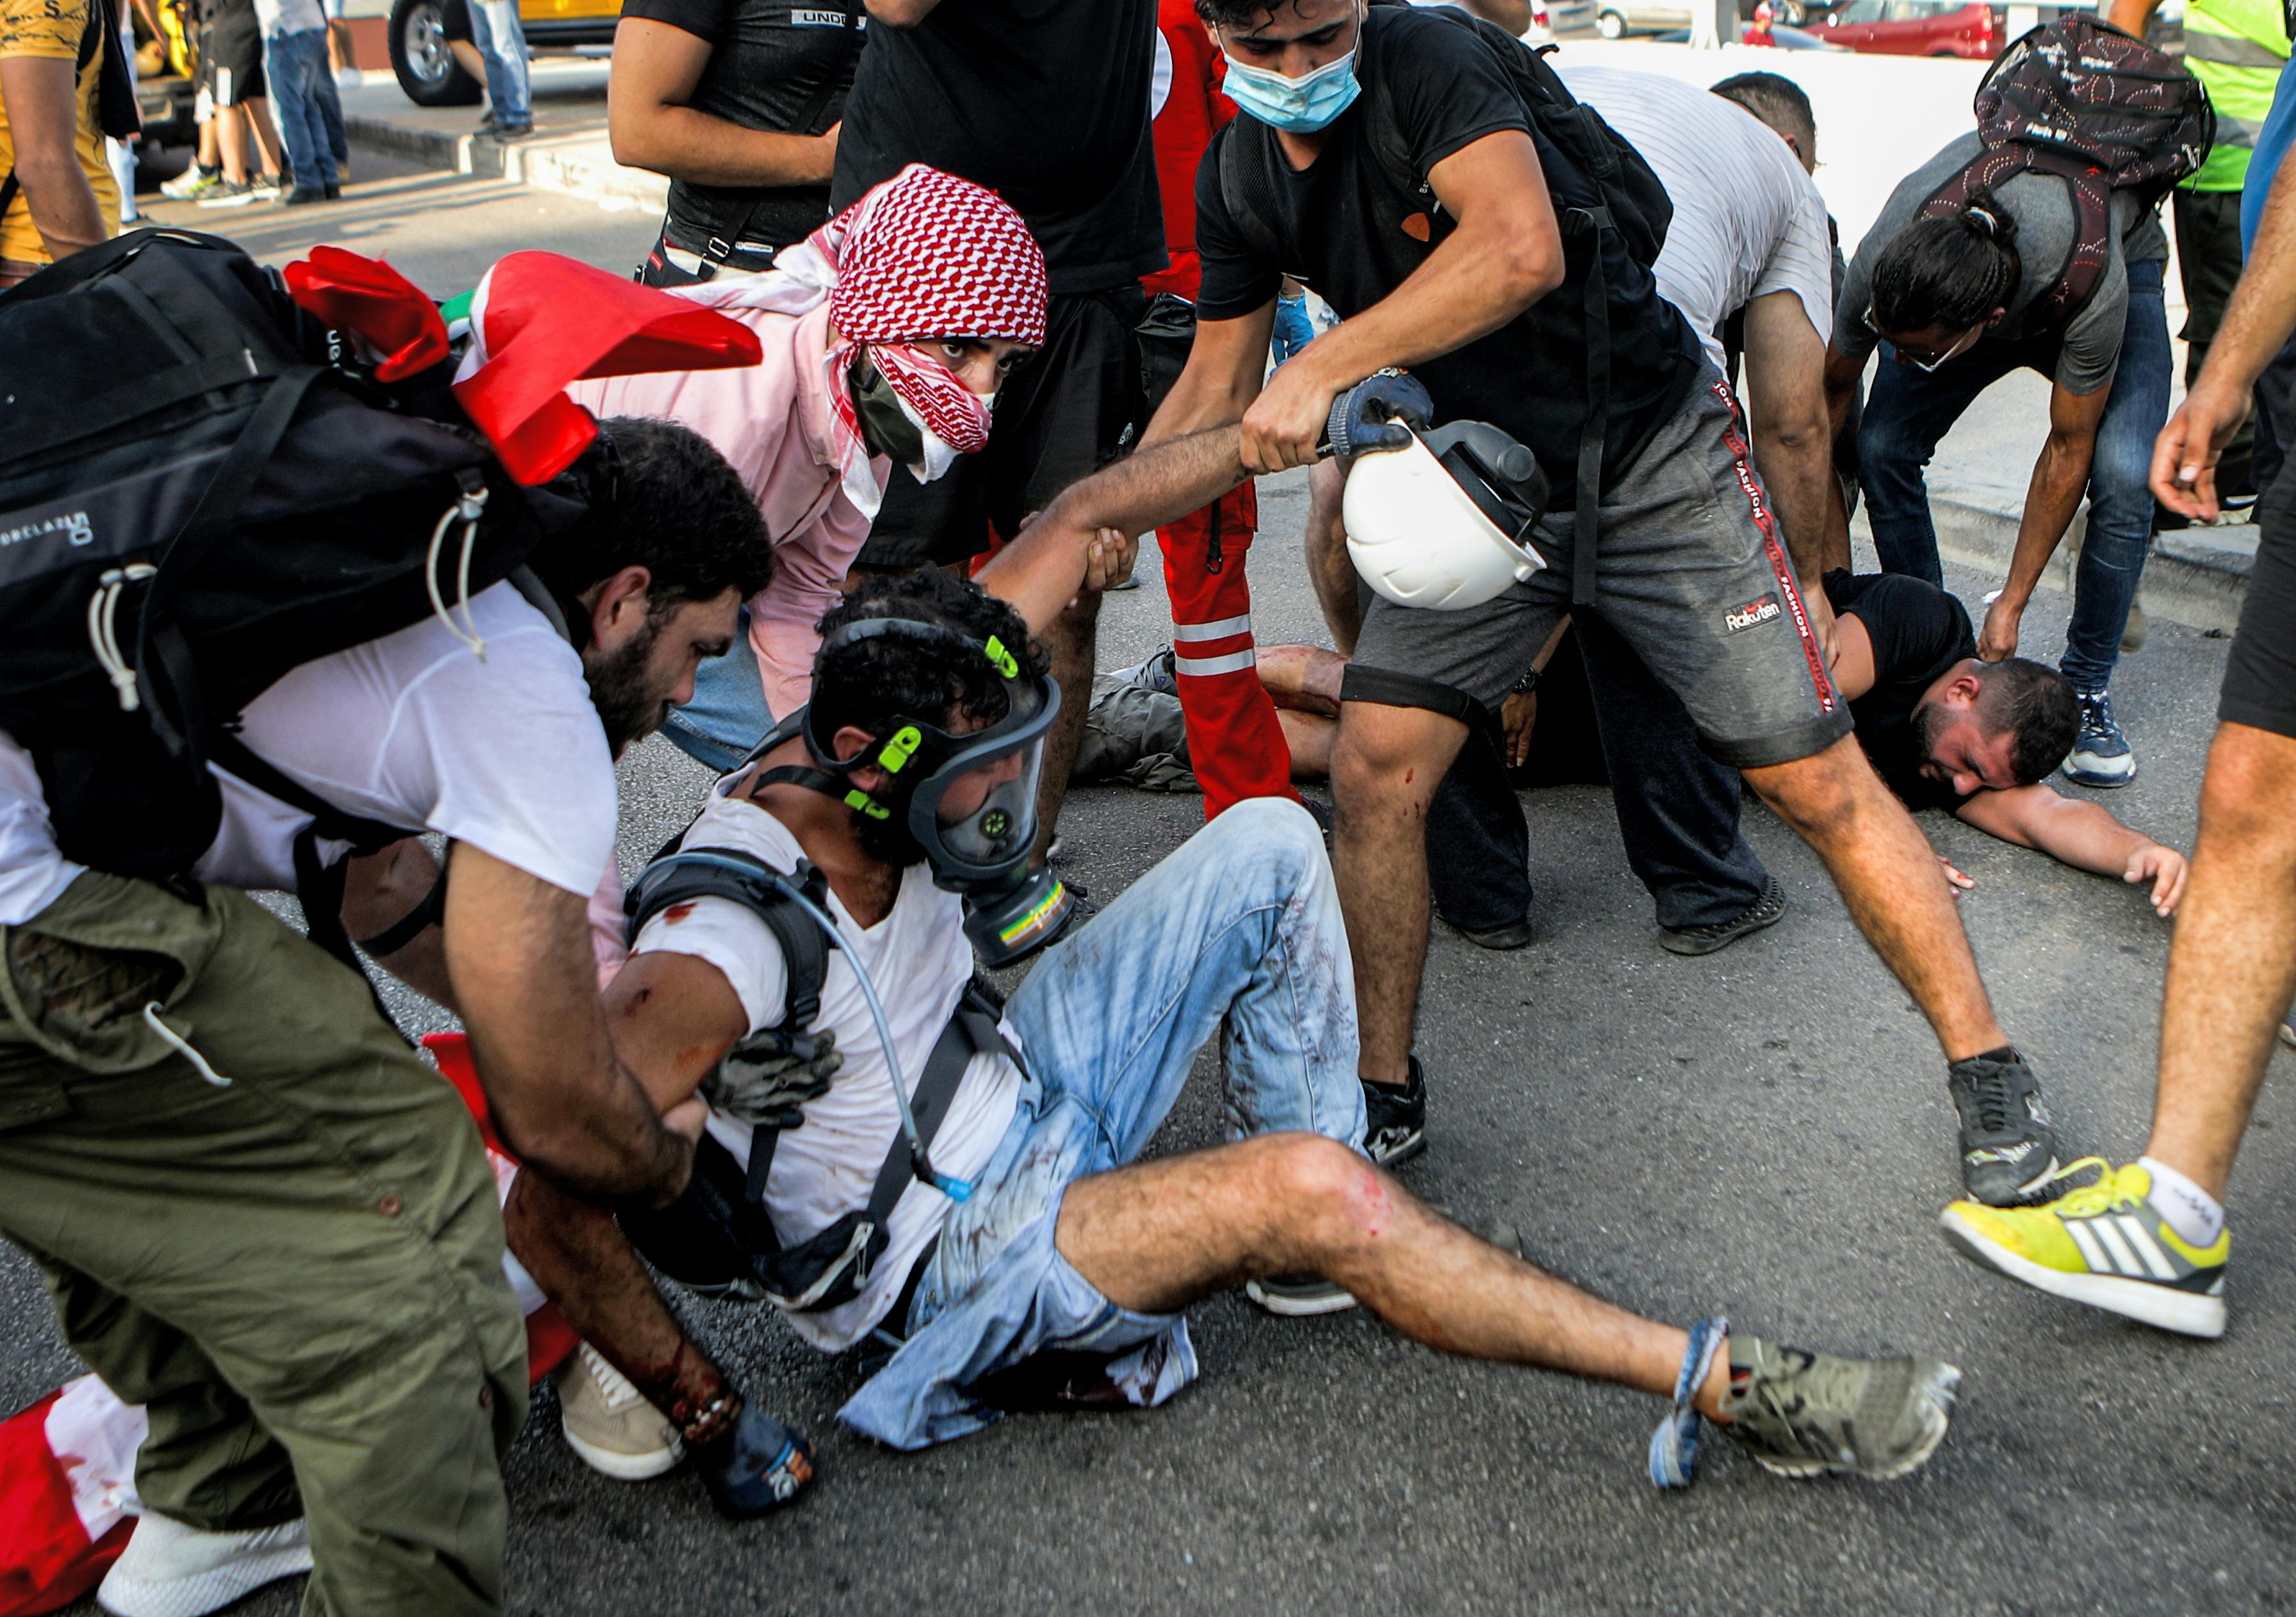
{"points": [[1916, 28], [1560, 19], [429, 73], [1616, 19]]}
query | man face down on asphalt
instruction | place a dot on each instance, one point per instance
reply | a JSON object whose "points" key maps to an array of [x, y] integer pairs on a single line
{"points": [[1689, 567]]}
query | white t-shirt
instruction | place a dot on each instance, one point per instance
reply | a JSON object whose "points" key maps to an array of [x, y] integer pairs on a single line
{"points": [[920, 960], [1747, 220], [413, 729], [278, 17]]}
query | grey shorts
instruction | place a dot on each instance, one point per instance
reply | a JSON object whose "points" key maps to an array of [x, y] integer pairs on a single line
{"points": [[1689, 568]]}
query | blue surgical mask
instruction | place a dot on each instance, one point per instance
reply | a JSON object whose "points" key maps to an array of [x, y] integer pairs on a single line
{"points": [[1299, 106]]}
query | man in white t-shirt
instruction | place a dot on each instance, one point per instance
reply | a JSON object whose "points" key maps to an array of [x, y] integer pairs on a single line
{"points": [[263, 1217], [1030, 1257]]}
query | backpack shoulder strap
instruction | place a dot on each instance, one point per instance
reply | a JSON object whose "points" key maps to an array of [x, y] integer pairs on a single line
{"points": [[971, 1030], [1244, 187]]}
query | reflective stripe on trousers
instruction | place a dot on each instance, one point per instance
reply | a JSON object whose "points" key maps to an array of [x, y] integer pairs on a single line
{"points": [[1234, 743]]}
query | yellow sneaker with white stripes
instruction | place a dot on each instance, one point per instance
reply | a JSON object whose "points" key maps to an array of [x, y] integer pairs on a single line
{"points": [[2105, 1245]]}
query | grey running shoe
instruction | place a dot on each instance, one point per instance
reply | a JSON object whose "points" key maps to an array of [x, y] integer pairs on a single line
{"points": [[1801, 1414], [2008, 1151], [1156, 674], [227, 193], [1763, 912], [1395, 1121]]}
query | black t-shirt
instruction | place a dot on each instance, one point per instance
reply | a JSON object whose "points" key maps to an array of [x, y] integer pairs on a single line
{"points": [[1043, 102], [1918, 632], [1345, 227], [782, 65]]}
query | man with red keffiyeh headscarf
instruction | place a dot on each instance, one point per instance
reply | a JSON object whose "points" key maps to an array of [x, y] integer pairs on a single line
{"points": [[886, 334]]}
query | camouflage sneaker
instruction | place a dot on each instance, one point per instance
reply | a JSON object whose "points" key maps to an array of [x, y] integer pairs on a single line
{"points": [[1801, 1414], [2008, 1151]]}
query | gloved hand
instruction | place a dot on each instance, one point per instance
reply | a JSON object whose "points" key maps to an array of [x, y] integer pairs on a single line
{"points": [[769, 1076], [1364, 417]]}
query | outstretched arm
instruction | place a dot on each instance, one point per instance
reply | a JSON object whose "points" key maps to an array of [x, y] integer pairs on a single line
{"points": [[1793, 439], [2081, 834], [1094, 524]]}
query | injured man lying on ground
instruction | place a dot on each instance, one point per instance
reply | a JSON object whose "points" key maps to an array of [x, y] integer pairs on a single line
{"points": [[898, 1163]]}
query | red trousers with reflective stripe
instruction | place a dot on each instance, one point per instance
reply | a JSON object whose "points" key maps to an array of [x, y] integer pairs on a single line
{"points": [[1234, 741]]}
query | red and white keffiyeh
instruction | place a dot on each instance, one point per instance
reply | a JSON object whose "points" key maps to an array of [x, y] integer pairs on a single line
{"points": [[922, 256]]}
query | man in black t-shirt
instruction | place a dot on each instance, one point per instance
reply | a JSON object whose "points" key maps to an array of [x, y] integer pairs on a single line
{"points": [[1473, 267], [1044, 102], [1976, 739], [738, 103]]}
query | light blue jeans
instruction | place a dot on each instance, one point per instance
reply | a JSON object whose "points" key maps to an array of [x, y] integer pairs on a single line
{"points": [[296, 65], [1909, 411], [494, 30], [1236, 934]]}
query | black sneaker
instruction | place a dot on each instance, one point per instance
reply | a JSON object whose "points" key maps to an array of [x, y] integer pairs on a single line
{"points": [[758, 1467], [1395, 1121], [2008, 1150], [1513, 935], [1705, 940]]}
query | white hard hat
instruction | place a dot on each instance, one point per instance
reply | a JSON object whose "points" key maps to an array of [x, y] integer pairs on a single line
{"points": [[1420, 536]]}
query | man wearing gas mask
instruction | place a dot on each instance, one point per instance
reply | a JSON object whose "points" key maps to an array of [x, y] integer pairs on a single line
{"points": [[1438, 186], [886, 335], [892, 1158]]}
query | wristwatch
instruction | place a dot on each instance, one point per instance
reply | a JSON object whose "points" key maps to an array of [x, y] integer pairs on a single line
{"points": [[1525, 685]]}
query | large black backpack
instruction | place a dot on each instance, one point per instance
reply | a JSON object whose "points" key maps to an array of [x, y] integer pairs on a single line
{"points": [[200, 488], [1601, 186], [2103, 112]]}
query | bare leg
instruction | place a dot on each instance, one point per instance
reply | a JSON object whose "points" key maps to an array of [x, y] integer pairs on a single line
{"points": [[1887, 874], [2232, 969], [467, 58], [1386, 764], [230, 125], [1072, 636], [341, 53], [1309, 735], [1328, 566], [263, 133], [579, 1258], [1157, 1235]]}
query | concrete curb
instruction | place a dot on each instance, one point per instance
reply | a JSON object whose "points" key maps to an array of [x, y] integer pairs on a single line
{"points": [[579, 165], [2196, 576]]}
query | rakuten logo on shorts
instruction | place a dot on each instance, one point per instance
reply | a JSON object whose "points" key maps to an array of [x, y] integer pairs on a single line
{"points": [[1751, 613]]}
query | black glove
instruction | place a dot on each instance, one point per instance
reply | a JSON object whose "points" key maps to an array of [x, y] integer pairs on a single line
{"points": [[766, 1078], [1364, 417]]}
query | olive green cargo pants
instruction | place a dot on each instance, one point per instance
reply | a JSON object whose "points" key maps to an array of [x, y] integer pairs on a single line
{"points": [[293, 1259]]}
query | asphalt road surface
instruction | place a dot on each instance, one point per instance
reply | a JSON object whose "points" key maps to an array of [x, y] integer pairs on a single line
{"points": [[1763, 1133]]}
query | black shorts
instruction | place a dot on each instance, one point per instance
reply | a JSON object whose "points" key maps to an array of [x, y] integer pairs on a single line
{"points": [[2260, 682], [1062, 415], [231, 56], [455, 22]]}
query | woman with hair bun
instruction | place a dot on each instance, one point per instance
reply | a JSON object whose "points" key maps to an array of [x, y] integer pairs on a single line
{"points": [[1956, 301]]}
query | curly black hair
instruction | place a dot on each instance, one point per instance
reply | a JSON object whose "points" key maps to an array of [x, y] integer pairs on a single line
{"points": [[868, 683], [2035, 703], [660, 497]]}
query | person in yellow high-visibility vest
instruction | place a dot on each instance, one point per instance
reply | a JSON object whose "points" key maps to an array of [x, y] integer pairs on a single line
{"points": [[2236, 49]]}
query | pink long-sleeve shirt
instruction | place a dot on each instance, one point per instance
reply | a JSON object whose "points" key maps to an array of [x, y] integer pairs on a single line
{"points": [[771, 422]]}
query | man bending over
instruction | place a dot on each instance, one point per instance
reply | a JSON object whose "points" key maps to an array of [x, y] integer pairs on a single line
{"points": [[1028, 1255]]}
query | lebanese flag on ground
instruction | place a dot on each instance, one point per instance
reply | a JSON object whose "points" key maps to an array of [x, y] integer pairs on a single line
{"points": [[68, 1464]]}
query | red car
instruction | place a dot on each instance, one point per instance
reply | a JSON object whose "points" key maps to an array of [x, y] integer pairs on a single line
{"points": [[1914, 28]]}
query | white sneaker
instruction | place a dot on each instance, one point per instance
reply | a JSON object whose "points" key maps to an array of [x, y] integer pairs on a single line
{"points": [[348, 79], [169, 1570], [608, 1422]]}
